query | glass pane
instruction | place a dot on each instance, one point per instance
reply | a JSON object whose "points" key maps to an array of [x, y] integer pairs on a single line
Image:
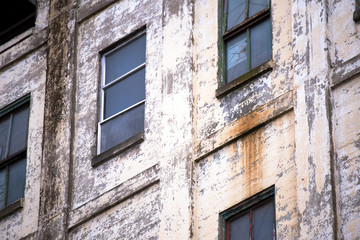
{"points": [[260, 43], [2, 187], [236, 57], [236, 13], [4, 130], [239, 228], [16, 184], [125, 93], [19, 131], [122, 127], [125, 59], [263, 217], [256, 6]]}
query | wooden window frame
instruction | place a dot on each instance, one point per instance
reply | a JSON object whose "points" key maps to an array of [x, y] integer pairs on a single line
{"points": [[225, 35], [242, 208], [5, 163]]}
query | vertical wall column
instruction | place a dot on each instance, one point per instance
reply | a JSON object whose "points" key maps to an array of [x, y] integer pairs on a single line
{"points": [[57, 162], [177, 127], [313, 121]]}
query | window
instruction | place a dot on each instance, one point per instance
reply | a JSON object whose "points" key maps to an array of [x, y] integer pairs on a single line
{"points": [[122, 93], [13, 135], [16, 17], [356, 15], [246, 33], [252, 219]]}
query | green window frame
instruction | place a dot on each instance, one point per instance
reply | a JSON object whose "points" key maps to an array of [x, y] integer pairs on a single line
{"points": [[245, 37], [253, 218], [14, 121]]}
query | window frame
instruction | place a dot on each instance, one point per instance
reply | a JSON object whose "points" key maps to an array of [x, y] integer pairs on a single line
{"points": [[224, 35], [356, 14], [136, 138], [11, 109], [243, 207]]}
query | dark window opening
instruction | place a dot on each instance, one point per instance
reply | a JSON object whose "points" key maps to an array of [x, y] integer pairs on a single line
{"points": [[16, 17], [356, 15], [252, 219]]}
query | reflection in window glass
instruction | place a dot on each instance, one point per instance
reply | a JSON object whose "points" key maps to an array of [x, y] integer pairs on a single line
{"points": [[260, 42], [246, 36], [125, 59], [236, 57], [16, 180], [240, 227], [256, 6], [125, 93], [122, 127], [19, 131], [236, 13], [263, 221]]}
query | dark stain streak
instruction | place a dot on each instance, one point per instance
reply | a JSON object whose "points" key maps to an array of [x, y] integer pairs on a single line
{"points": [[309, 100]]}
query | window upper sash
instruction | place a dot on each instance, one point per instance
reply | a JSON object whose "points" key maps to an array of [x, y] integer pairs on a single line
{"points": [[247, 23]]}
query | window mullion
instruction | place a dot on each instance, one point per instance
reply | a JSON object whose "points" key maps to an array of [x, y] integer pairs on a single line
{"points": [[247, 9], [227, 231], [103, 64], [132, 71], [123, 111]]}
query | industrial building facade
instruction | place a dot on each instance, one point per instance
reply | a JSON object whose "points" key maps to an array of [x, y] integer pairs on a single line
{"points": [[186, 119]]}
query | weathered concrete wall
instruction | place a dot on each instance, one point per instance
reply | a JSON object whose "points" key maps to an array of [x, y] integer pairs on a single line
{"points": [[126, 220], [345, 60], [228, 172], [213, 114], [17, 80], [263, 158], [22, 72], [344, 32], [58, 125], [347, 146], [118, 21], [91, 41], [295, 127]]}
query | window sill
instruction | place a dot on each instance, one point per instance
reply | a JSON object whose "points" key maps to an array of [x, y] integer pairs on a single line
{"points": [[102, 157], [18, 204], [22, 36], [356, 16], [263, 68]]}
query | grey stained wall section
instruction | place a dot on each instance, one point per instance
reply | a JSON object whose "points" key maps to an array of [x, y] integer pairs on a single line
{"points": [[294, 126]]}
